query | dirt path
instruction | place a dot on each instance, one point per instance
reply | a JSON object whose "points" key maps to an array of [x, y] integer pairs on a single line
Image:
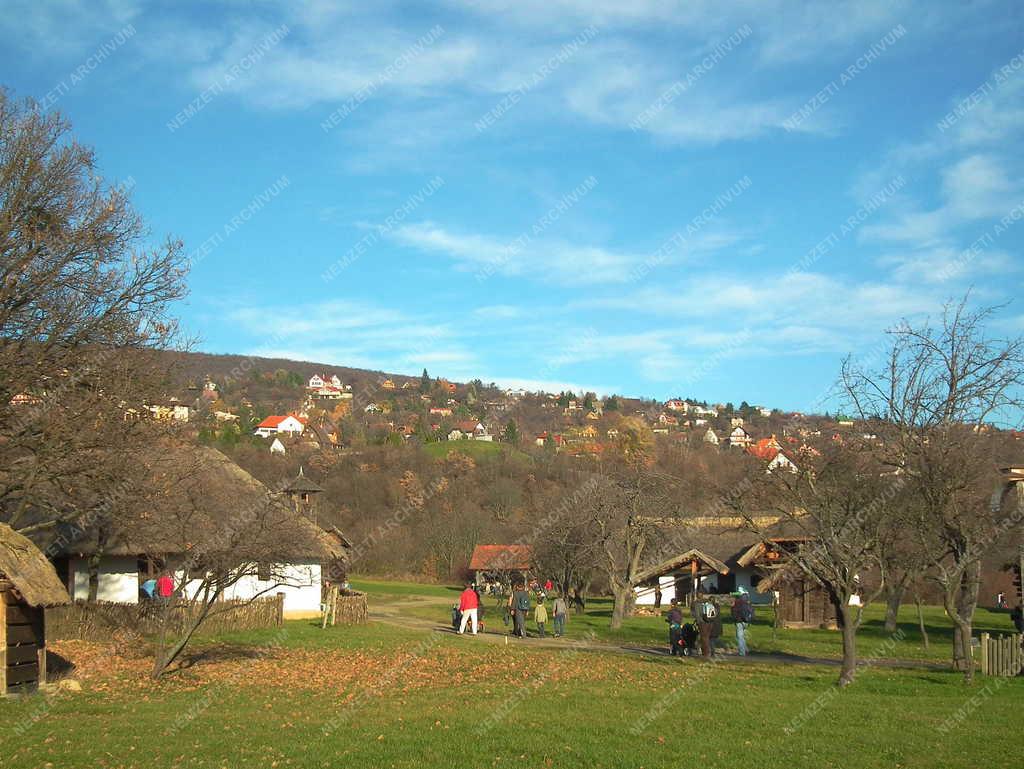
{"points": [[391, 614]]}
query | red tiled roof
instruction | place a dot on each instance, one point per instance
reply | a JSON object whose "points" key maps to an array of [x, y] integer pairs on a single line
{"points": [[275, 420], [501, 557]]}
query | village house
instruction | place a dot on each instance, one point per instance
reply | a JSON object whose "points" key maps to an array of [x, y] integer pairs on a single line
{"points": [[542, 439], [276, 447], [388, 384], [736, 422], [706, 559], [440, 411], [294, 552], [765, 412], [710, 436], [501, 564], [665, 419], [289, 424], [739, 438], [677, 405], [177, 412], [771, 451]]}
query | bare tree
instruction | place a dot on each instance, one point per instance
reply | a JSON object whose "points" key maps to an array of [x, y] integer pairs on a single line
{"points": [[84, 305], [833, 507], [939, 393], [215, 528]]}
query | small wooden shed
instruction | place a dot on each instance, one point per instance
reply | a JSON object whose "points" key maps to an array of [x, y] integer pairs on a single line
{"points": [[28, 584]]}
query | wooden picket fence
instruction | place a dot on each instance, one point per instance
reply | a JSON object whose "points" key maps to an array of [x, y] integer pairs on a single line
{"points": [[1001, 655], [102, 621]]}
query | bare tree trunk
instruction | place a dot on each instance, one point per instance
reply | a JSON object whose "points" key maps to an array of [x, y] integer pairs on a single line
{"points": [[960, 600], [893, 598], [920, 619], [849, 669], [623, 605]]}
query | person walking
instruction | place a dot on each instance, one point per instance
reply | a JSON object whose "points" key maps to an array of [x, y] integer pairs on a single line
{"points": [[704, 613], [675, 628], [469, 601], [540, 616], [520, 604], [560, 609], [548, 585], [742, 615]]}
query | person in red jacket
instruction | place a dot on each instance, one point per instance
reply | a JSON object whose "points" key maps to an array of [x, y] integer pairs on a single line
{"points": [[469, 601], [165, 586]]}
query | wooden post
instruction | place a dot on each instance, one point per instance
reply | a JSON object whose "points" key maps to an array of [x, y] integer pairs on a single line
{"points": [[41, 646], [280, 609], [984, 654], [3, 642]]}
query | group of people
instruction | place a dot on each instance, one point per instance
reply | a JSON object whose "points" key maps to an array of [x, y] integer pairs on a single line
{"points": [[157, 588], [468, 613], [706, 628]]}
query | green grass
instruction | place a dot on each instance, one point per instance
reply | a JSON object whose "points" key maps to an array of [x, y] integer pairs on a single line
{"points": [[545, 709], [475, 449], [433, 602]]}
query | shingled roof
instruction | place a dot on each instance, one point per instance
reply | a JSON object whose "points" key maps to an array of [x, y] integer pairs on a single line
{"points": [[501, 558]]}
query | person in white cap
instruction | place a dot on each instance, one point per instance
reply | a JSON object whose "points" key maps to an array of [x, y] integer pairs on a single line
{"points": [[742, 614]]}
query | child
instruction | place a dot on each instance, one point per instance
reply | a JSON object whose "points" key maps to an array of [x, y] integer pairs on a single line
{"points": [[540, 614], [456, 617]]}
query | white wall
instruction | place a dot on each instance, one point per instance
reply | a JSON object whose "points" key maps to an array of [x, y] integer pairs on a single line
{"points": [[645, 595], [301, 591], [118, 579]]}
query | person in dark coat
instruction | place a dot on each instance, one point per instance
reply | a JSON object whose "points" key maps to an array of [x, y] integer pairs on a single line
{"points": [[675, 628], [705, 613], [1017, 617]]}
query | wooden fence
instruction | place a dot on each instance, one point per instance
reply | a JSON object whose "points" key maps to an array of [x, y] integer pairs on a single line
{"points": [[1002, 655], [103, 621], [349, 608]]}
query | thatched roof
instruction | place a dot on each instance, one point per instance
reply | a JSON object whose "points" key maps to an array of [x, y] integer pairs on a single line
{"points": [[26, 568], [198, 499], [302, 485]]}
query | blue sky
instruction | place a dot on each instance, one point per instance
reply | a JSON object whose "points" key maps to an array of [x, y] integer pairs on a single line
{"points": [[709, 199]]}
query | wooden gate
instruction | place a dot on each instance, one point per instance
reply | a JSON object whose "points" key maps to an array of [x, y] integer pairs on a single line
{"points": [[1002, 655]]}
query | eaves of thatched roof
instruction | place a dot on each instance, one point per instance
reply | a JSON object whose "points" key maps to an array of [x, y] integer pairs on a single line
{"points": [[26, 568]]}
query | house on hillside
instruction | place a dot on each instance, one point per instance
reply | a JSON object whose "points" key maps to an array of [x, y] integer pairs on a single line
{"points": [[387, 384], [289, 424], [501, 564], [276, 447], [677, 405], [710, 436], [231, 518], [440, 411], [739, 438]]}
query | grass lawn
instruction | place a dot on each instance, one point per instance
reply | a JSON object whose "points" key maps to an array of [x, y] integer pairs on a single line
{"points": [[383, 696], [433, 602], [475, 449]]}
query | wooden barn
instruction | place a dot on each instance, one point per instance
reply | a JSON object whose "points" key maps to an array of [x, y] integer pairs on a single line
{"points": [[28, 584], [802, 601], [501, 564]]}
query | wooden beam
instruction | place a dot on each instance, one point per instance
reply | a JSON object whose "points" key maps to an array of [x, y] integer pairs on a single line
{"points": [[3, 643]]}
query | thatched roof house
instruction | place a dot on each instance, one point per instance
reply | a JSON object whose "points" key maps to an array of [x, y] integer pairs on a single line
{"points": [[200, 508], [28, 584]]}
